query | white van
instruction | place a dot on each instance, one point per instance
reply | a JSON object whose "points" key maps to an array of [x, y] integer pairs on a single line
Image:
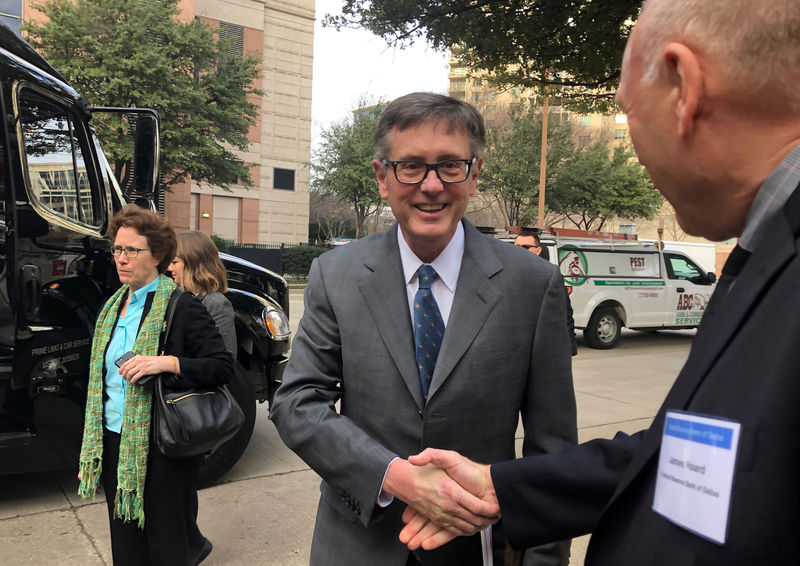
{"points": [[635, 285]]}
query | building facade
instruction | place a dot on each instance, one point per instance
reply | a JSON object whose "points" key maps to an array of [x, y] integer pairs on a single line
{"points": [[275, 209]]}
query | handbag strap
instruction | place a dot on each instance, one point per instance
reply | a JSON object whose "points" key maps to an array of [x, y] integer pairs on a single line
{"points": [[171, 306]]}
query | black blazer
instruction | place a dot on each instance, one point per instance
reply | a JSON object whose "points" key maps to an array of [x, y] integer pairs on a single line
{"points": [[196, 342], [745, 366]]}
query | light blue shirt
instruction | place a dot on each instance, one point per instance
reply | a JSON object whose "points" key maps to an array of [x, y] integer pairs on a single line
{"points": [[122, 341]]}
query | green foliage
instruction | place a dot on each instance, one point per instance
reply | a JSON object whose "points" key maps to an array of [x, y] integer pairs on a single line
{"points": [[297, 259], [136, 53], [222, 244], [576, 44], [342, 165], [585, 185], [513, 155], [591, 188]]}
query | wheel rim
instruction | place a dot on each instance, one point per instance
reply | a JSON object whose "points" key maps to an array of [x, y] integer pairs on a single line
{"points": [[607, 328]]}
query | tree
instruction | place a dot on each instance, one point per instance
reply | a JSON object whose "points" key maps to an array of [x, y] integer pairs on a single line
{"points": [[342, 165], [590, 188], [511, 166], [574, 45], [587, 185], [136, 53], [329, 217]]}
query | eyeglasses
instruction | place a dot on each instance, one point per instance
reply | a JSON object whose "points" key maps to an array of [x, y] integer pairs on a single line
{"points": [[409, 172], [528, 246], [129, 251]]}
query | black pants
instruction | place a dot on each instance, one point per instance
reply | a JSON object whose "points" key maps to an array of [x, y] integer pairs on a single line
{"points": [[170, 536]]}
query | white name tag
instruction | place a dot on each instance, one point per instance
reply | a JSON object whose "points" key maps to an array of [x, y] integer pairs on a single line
{"points": [[695, 473]]}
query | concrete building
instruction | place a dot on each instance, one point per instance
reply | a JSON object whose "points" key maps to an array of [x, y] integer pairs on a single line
{"points": [[275, 209]]}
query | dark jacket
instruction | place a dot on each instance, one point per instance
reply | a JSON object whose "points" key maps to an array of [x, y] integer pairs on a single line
{"points": [[744, 366]]}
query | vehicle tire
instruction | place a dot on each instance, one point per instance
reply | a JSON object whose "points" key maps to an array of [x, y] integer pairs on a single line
{"points": [[218, 462], [603, 330]]}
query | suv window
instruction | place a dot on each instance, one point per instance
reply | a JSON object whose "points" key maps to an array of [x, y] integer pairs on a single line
{"points": [[55, 167]]}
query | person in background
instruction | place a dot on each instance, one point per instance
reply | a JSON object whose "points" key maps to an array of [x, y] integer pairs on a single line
{"points": [[151, 500], [430, 334], [197, 268], [531, 242], [710, 90]]}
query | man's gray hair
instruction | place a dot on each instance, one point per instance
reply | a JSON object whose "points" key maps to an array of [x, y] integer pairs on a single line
{"points": [[755, 42], [418, 107]]}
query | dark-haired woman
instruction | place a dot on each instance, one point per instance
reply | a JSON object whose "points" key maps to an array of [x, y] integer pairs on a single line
{"points": [[150, 498]]}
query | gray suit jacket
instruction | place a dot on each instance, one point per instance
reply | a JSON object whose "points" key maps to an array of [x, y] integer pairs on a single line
{"points": [[505, 353]]}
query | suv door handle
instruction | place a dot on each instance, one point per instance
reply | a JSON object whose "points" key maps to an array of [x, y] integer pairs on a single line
{"points": [[681, 290]]}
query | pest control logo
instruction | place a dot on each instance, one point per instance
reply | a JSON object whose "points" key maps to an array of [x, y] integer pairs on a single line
{"points": [[573, 266]]}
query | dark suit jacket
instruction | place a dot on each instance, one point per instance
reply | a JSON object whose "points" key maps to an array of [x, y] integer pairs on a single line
{"points": [[505, 352], [745, 366]]}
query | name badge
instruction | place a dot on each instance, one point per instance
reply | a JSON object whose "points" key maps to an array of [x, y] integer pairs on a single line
{"points": [[695, 473]]}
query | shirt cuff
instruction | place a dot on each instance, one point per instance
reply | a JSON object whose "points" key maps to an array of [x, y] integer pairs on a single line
{"points": [[384, 499]]}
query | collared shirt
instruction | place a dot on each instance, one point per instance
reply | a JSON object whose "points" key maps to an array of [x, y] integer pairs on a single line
{"points": [[447, 266], [771, 197], [122, 341]]}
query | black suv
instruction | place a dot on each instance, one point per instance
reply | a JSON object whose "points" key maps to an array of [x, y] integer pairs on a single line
{"points": [[57, 195]]}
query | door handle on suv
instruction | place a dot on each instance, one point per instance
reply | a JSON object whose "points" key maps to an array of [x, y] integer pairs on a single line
{"points": [[681, 290]]}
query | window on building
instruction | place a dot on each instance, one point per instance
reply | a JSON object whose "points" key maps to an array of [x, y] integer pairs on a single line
{"points": [[458, 86], [233, 36], [283, 179], [620, 119], [476, 96], [491, 95], [515, 91], [11, 13], [490, 111], [477, 82], [620, 134], [585, 121]]}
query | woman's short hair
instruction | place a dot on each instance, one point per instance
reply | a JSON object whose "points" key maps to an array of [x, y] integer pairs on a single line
{"points": [[160, 235], [203, 271]]}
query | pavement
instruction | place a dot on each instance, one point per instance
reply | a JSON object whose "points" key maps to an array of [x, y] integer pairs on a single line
{"points": [[263, 512]]}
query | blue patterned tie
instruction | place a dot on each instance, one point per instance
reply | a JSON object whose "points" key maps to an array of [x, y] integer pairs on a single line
{"points": [[428, 327]]}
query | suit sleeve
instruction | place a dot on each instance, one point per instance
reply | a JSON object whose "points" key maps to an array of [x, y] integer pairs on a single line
{"points": [[558, 496], [549, 411], [196, 342], [304, 410]]}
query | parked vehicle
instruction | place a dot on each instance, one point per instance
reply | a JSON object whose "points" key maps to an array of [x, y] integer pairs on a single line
{"points": [[57, 195], [614, 282]]}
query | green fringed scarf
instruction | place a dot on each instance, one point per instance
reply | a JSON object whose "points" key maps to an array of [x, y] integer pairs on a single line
{"points": [[135, 437]]}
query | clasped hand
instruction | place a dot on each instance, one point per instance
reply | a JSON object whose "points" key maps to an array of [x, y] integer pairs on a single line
{"points": [[140, 366], [469, 505]]}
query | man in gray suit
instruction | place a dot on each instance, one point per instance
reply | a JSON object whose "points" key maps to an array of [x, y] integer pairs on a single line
{"points": [[504, 353]]}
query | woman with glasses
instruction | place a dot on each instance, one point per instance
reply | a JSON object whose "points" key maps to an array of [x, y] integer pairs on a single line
{"points": [[151, 499]]}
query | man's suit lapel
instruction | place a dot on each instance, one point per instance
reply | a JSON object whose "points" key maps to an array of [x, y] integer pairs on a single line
{"points": [[776, 249], [384, 293], [474, 300]]}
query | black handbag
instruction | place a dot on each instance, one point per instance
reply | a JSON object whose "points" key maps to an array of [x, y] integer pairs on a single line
{"points": [[192, 420]]}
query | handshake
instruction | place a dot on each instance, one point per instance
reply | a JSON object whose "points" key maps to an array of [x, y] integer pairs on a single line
{"points": [[447, 494]]}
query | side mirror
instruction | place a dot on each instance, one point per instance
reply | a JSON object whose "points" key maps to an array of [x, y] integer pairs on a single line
{"points": [[146, 149], [145, 155], [711, 278]]}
